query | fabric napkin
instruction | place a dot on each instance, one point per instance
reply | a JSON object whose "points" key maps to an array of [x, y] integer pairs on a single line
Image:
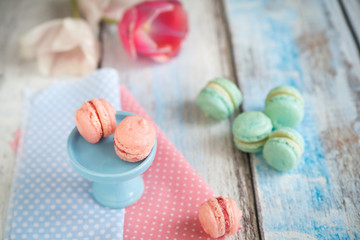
{"points": [[173, 192], [58, 204], [49, 199]]}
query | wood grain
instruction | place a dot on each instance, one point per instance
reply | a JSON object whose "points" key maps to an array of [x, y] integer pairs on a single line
{"points": [[302, 43], [305, 44], [16, 18], [352, 10], [168, 92]]}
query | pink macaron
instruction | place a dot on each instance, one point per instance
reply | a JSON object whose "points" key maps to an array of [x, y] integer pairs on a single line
{"points": [[220, 217], [95, 119], [134, 138]]}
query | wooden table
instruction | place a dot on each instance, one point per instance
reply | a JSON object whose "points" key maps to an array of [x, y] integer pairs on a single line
{"points": [[312, 45]]}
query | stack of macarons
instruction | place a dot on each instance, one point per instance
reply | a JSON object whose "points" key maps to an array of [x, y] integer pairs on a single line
{"points": [[134, 136], [284, 109], [252, 131]]}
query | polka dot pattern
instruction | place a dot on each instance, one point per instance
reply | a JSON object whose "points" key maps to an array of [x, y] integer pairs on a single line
{"points": [[173, 192], [49, 199]]}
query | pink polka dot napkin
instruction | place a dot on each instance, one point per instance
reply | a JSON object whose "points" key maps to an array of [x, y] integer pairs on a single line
{"points": [[173, 192]]}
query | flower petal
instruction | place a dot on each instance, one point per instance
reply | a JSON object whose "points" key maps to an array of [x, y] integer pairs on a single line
{"points": [[171, 27], [93, 11], [160, 27], [126, 30], [69, 35], [39, 39], [70, 62], [143, 42], [76, 32], [66, 46]]}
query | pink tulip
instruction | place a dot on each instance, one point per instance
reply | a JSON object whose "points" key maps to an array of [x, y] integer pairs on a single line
{"points": [[154, 29], [62, 47]]}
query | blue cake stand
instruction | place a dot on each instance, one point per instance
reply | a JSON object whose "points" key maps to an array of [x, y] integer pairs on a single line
{"points": [[116, 183]]}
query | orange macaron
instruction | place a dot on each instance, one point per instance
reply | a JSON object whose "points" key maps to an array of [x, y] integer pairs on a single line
{"points": [[134, 138], [95, 119]]}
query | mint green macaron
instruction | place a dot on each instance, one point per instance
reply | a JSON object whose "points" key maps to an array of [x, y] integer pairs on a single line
{"points": [[251, 130], [283, 149], [219, 98], [284, 105]]}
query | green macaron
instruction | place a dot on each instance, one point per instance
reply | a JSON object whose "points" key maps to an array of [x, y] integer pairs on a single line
{"points": [[284, 105], [251, 130], [283, 149], [219, 98]]}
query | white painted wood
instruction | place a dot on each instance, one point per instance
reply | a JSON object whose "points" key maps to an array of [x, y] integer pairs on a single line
{"points": [[305, 44], [352, 9], [325, 67], [16, 17], [168, 92]]}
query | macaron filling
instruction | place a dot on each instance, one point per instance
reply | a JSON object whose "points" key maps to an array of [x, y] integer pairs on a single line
{"points": [[240, 141], [92, 105], [279, 134], [291, 143], [131, 156], [222, 91], [222, 204], [284, 92], [253, 139]]}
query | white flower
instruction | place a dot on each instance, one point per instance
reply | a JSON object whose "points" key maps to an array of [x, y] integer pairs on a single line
{"points": [[62, 47]]}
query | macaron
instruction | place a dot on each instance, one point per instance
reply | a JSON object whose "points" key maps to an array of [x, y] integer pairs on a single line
{"points": [[95, 119], [219, 98], [251, 130], [134, 138], [220, 217], [284, 105], [283, 149]]}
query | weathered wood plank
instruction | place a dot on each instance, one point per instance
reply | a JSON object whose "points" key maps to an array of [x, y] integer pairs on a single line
{"points": [[16, 17], [168, 92], [352, 10], [305, 44]]}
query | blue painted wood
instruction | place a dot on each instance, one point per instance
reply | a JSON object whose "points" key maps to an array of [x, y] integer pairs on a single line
{"points": [[305, 44]]}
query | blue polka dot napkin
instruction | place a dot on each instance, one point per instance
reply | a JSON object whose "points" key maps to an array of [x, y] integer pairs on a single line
{"points": [[49, 199]]}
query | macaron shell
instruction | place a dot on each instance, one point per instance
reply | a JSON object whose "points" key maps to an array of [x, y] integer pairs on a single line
{"points": [[284, 111], [88, 123], [106, 114], [213, 104], [232, 90], [219, 216], [134, 138], [235, 216], [285, 90], [280, 154], [132, 157], [251, 126], [290, 133], [209, 221]]}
